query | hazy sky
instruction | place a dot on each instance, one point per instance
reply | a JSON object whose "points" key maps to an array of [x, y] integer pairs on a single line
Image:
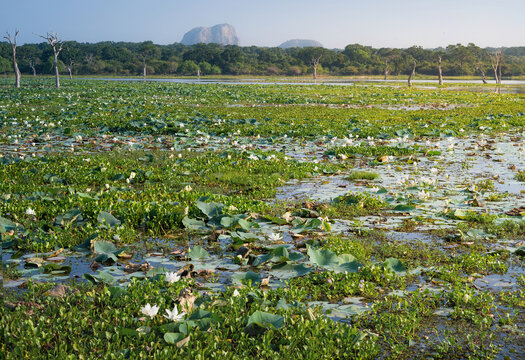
{"points": [[335, 23]]}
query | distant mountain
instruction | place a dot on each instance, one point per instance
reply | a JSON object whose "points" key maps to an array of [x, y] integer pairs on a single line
{"points": [[224, 34], [300, 43]]}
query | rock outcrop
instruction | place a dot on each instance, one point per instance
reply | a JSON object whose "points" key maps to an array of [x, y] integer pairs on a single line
{"points": [[300, 43], [224, 34]]}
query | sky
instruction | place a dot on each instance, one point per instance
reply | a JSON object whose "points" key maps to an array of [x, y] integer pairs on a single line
{"points": [[334, 23]]}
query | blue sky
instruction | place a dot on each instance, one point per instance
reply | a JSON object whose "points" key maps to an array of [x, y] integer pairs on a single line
{"points": [[335, 23]]}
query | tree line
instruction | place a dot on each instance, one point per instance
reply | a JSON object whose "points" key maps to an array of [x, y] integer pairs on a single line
{"points": [[147, 58]]}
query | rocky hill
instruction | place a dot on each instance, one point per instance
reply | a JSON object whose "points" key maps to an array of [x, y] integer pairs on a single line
{"points": [[300, 43], [224, 34]]}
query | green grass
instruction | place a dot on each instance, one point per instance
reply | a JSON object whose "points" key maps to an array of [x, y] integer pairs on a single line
{"points": [[362, 175]]}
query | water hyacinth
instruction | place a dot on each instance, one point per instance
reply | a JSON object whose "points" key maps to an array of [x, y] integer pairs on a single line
{"points": [[149, 310]]}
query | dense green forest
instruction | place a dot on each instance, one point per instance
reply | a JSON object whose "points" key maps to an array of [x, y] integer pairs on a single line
{"points": [[122, 58]]}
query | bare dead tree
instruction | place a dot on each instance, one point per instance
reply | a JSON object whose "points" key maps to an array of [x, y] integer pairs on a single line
{"points": [[198, 73], [69, 68], [13, 44], [412, 74], [387, 70], [440, 72], [144, 72], [31, 63], [70, 62], [315, 64], [500, 62], [56, 45], [495, 62], [483, 78]]}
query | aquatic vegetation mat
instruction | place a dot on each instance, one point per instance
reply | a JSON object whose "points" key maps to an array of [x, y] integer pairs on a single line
{"points": [[255, 221]]}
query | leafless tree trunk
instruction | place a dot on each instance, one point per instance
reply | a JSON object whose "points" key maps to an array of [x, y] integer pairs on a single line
{"points": [[412, 74], [32, 66], [483, 78], [386, 69], [56, 45], [15, 64], [198, 73], [500, 62], [69, 68], [315, 64], [495, 62], [440, 72], [144, 73]]}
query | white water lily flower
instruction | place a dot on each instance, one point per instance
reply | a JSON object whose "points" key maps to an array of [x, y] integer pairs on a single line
{"points": [[172, 277], [188, 188], [253, 157], [149, 310], [30, 212], [275, 237], [236, 293], [434, 171], [174, 315], [422, 194]]}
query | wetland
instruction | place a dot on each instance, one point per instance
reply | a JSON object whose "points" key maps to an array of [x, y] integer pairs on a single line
{"points": [[370, 221]]}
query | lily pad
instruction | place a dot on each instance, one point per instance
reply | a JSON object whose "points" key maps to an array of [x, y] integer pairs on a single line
{"points": [[7, 225], [197, 253], [100, 277], [323, 257], [193, 224], [239, 277], [277, 255], [261, 321], [107, 220], [286, 271], [394, 264], [210, 209], [173, 338]]}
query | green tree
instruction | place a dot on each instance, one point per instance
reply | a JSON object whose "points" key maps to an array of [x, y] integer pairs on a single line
{"points": [[5, 65], [147, 50], [188, 67]]}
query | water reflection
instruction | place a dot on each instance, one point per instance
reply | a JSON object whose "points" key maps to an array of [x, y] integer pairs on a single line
{"points": [[518, 86]]}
